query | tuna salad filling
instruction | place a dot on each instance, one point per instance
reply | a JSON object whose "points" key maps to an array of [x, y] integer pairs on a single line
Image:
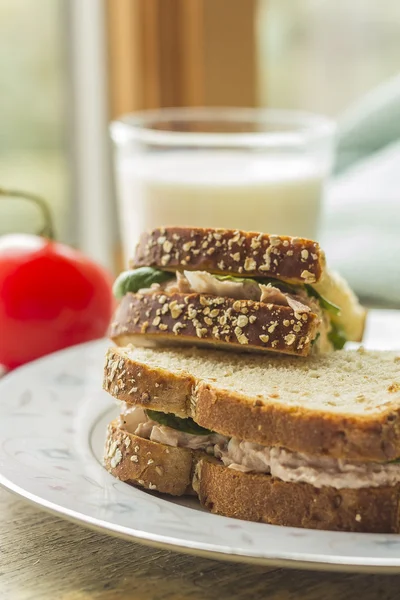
{"points": [[300, 298], [248, 457]]}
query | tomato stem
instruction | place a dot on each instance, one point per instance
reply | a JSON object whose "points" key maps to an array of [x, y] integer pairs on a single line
{"points": [[48, 227]]}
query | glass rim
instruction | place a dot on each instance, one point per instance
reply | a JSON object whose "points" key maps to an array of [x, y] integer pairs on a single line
{"points": [[136, 127]]}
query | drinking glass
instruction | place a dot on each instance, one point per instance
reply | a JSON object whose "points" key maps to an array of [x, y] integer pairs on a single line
{"points": [[252, 169]]}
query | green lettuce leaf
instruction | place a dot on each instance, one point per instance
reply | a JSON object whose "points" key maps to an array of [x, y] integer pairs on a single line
{"points": [[337, 337], [170, 420], [138, 279], [324, 302], [234, 279], [315, 340]]}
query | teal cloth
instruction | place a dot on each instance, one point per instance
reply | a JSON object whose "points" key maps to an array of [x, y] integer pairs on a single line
{"points": [[361, 226], [369, 126]]}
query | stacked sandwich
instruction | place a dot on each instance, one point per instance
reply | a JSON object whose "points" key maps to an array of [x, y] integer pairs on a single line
{"points": [[269, 424], [234, 290]]}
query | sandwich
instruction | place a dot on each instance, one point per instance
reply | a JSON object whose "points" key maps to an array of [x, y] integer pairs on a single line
{"points": [[234, 290], [276, 439]]}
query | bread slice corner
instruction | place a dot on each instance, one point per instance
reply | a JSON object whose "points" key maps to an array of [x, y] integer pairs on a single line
{"points": [[153, 466]]}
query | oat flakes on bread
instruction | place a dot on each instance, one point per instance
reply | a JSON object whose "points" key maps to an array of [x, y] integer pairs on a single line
{"points": [[186, 284], [230, 252], [207, 320]]}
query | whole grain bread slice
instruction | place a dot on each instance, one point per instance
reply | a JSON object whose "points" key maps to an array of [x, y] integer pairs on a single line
{"points": [[345, 404], [352, 317], [229, 251], [262, 498], [153, 466], [211, 320], [253, 497], [250, 254]]}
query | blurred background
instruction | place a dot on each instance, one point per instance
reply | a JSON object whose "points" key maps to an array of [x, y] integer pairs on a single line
{"points": [[68, 68]]}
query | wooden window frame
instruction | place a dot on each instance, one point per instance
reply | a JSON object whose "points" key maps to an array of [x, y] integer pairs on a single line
{"points": [[181, 53]]}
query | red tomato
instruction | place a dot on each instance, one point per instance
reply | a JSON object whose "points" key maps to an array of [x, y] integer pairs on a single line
{"points": [[51, 297]]}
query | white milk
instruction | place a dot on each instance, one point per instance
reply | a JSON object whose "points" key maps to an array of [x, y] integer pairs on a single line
{"points": [[266, 193]]}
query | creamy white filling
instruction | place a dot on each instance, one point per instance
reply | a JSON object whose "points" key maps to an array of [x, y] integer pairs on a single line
{"points": [[202, 282], [134, 420], [249, 457]]}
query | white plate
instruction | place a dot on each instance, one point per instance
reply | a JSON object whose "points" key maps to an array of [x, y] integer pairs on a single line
{"points": [[52, 427]]}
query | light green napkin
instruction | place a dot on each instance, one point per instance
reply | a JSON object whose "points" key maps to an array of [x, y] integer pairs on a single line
{"points": [[369, 125], [361, 226]]}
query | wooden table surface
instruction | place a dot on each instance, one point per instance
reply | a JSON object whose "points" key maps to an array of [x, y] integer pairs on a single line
{"points": [[46, 558]]}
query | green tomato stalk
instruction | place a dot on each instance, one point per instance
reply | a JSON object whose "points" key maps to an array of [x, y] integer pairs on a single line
{"points": [[47, 230]]}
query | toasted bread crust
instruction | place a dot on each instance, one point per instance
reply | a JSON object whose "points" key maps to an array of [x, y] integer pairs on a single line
{"points": [[200, 318], [230, 251], [153, 466], [139, 384], [350, 437], [253, 497], [257, 497], [300, 430]]}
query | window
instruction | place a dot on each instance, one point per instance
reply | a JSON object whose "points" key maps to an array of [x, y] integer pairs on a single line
{"points": [[33, 107]]}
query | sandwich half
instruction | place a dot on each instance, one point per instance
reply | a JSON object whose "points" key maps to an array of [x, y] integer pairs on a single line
{"points": [[234, 290], [274, 439]]}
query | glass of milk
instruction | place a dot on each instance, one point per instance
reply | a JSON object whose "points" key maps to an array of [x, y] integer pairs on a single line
{"points": [[253, 169]]}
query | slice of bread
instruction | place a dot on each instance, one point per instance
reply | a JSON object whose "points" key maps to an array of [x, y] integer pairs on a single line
{"points": [[253, 497], [249, 254], [345, 404], [352, 315], [200, 319], [232, 252], [154, 466], [256, 497]]}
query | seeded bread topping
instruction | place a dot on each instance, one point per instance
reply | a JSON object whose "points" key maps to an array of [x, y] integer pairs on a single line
{"points": [[279, 263], [202, 282], [278, 462], [208, 319], [277, 271], [230, 251]]}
